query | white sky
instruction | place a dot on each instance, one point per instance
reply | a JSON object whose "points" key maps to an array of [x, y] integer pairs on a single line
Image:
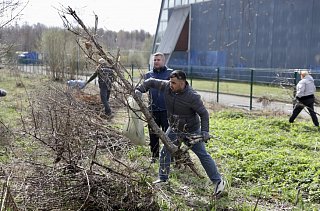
{"points": [[113, 14]]}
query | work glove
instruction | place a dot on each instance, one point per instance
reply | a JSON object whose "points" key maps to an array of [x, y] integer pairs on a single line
{"points": [[138, 93], [3, 93], [205, 136]]}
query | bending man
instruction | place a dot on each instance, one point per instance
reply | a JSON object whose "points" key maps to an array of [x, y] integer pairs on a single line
{"points": [[184, 107], [105, 76]]}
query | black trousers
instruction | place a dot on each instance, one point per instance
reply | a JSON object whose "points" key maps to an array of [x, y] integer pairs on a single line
{"points": [[307, 102], [105, 91], [160, 117]]}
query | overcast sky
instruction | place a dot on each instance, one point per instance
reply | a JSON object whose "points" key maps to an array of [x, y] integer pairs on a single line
{"points": [[113, 14]]}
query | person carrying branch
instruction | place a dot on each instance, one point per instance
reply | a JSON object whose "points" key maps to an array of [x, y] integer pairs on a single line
{"points": [[157, 105], [187, 115], [105, 76], [305, 90]]}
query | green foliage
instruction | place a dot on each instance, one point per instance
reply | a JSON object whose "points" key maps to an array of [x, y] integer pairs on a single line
{"points": [[268, 151], [138, 152]]}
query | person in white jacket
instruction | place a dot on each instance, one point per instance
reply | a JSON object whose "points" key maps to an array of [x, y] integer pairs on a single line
{"points": [[305, 97]]}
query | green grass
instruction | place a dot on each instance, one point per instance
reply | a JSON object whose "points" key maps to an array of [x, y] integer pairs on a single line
{"points": [[263, 157], [18, 87], [269, 155], [259, 90]]}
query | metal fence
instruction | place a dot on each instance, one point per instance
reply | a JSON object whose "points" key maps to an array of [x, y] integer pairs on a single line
{"points": [[255, 75], [219, 76]]}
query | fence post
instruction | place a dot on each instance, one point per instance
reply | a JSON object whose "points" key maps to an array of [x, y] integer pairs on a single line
{"points": [[251, 89], [191, 78], [218, 83], [295, 77], [295, 83]]}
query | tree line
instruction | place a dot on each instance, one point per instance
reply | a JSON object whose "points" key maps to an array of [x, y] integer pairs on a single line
{"points": [[62, 51]]}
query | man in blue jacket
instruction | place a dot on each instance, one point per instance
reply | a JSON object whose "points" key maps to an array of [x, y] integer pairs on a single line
{"points": [[156, 102], [187, 114]]}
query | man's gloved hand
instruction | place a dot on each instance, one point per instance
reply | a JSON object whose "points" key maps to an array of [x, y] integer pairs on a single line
{"points": [[205, 136], [138, 93], [3, 93]]}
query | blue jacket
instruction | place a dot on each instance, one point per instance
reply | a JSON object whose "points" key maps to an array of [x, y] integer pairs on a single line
{"points": [[156, 97]]}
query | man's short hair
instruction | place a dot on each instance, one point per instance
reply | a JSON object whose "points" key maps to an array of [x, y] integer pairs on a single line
{"points": [[179, 74], [158, 54]]}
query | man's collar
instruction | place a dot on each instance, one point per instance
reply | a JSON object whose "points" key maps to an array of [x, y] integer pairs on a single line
{"points": [[161, 69]]}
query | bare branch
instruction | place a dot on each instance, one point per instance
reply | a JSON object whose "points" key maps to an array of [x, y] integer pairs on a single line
{"points": [[119, 70]]}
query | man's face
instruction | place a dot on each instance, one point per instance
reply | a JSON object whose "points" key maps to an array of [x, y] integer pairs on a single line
{"points": [[176, 85], [158, 62]]}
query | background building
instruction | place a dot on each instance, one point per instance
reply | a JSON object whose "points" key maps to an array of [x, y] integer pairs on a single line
{"points": [[239, 34]]}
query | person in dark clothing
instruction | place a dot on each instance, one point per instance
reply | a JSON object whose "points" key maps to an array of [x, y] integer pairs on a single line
{"points": [[187, 114], [105, 76], [157, 105], [305, 97]]}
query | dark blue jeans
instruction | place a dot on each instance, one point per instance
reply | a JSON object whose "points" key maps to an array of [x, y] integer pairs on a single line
{"points": [[160, 117], [105, 95], [199, 149]]}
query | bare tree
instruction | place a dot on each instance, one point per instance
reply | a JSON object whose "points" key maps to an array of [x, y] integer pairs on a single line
{"points": [[9, 11]]}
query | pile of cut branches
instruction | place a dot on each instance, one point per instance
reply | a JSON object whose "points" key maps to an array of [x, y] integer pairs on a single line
{"points": [[74, 159]]}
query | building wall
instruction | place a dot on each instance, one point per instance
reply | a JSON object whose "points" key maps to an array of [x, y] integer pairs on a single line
{"points": [[255, 34]]}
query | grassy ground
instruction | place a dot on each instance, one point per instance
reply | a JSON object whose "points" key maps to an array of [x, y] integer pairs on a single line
{"points": [[259, 90], [269, 164], [264, 156], [17, 87]]}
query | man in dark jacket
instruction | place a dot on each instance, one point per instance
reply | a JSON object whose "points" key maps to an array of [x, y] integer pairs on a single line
{"points": [[184, 107], [105, 76], [156, 102]]}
